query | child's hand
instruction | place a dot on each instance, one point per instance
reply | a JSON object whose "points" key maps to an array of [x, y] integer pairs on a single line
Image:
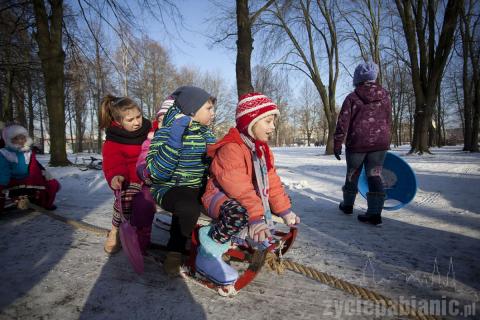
{"points": [[259, 231], [291, 219], [117, 182], [177, 130]]}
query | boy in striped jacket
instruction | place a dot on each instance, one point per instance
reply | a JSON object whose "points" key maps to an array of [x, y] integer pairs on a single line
{"points": [[178, 166]]}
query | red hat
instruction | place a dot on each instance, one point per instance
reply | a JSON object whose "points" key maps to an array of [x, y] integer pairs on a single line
{"points": [[251, 108]]}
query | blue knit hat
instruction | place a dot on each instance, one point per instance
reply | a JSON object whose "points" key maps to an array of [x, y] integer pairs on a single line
{"points": [[365, 71], [189, 99]]}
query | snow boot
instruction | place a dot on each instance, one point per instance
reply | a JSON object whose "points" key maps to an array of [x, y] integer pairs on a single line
{"points": [[112, 244], [172, 264], [375, 202], [348, 200], [209, 260], [143, 235]]}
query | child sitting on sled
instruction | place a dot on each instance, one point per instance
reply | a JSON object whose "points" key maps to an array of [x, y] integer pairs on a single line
{"points": [[178, 167], [243, 187], [143, 204], [21, 174]]}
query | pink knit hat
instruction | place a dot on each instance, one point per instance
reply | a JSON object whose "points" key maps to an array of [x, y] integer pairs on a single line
{"points": [[251, 108], [165, 106]]}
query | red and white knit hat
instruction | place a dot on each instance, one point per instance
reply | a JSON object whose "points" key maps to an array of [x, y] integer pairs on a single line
{"points": [[251, 108]]}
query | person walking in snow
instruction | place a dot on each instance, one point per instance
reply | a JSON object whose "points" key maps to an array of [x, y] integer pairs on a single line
{"points": [[125, 130], [364, 124], [143, 203], [25, 179], [243, 187], [178, 166]]}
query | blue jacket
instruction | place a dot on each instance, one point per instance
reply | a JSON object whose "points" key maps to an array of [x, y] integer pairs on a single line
{"points": [[13, 169]]}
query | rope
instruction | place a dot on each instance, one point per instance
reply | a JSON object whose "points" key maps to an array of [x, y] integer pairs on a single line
{"points": [[279, 265], [76, 224]]}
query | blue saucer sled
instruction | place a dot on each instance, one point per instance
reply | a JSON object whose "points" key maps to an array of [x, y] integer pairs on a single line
{"points": [[398, 180]]}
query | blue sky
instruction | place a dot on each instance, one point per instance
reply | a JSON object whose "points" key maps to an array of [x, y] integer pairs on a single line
{"points": [[195, 50]]}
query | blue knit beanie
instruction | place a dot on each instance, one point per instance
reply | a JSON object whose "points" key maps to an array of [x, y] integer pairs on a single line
{"points": [[365, 71], [189, 99]]}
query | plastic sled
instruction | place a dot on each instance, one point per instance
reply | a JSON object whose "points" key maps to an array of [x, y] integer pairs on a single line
{"points": [[398, 179], [243, 257], [130, 245]]}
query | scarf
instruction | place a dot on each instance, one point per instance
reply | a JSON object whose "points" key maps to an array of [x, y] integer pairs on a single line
{"points": [[261, 160], [118, 134]]}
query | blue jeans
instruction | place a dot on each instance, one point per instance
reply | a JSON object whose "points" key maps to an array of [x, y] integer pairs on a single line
{"points": [[373, 162]]}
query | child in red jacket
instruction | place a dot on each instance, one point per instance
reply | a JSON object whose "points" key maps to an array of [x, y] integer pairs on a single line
{"points": [[244, 187], [125, 130]]}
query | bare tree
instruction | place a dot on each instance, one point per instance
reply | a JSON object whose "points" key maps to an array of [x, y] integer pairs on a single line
{"points": [[364, 17], [275, 85], [48, 34], [470, 35], [245, 22], [310, 29], [308, 110], [428, 52]]}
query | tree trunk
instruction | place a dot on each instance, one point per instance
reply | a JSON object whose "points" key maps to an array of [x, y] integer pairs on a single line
{"points": [[31, 128], [244, 49], [20, 105], [427, 58], [42, 132], [100, 91], [49, 39], [476, 117], [7, 112], [70, 128]]}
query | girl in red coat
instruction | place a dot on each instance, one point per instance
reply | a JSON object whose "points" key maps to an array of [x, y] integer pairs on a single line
{"points": [[125, 130]]}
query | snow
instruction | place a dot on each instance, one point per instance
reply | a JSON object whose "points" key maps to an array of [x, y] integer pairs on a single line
{"points": [[426, 251]]}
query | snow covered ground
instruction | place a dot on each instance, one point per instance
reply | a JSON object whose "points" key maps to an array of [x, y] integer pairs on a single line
{"points": [[425, 254]]}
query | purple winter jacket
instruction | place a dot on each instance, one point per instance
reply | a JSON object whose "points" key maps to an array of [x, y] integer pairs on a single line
{"points": [[364, 120]]}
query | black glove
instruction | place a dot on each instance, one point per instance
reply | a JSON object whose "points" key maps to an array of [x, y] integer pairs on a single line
{"points": [[337, 154]]}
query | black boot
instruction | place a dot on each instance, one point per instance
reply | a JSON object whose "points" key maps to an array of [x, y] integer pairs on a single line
{"points": [[375, 202], [348, 200]]}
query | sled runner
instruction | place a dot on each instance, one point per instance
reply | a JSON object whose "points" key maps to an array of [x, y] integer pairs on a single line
{"points": [[398, 179], [247, 257]]}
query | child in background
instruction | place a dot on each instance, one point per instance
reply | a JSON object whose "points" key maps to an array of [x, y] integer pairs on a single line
{"points": [[364, 123], [178, 166], [20, 172], [242, 188], [144, 206], [125, 130]]}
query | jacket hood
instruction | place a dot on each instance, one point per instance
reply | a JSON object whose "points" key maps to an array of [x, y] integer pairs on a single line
{"points": [[11, 132], [370, 92], [233, 135]]}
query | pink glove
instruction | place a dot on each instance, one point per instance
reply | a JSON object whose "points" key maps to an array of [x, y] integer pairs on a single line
{"points": [[291, 218], [259, 231]]}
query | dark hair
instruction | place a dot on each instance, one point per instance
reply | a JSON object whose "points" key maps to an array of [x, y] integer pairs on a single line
{"points": [[112, 109]]}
